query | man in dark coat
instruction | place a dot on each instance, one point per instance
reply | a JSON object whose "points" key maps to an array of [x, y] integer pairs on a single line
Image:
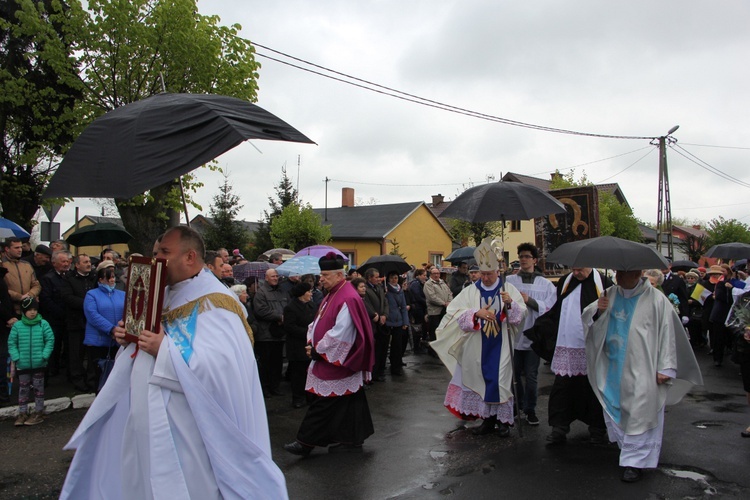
{"points": [[53, 308], [676, 285], [268, 305], [40, 261], [377, 309], [74, 289]]}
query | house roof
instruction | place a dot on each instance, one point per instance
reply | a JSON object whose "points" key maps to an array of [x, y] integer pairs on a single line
{"points": [[368, 221], [544, 184], [692, 231]]}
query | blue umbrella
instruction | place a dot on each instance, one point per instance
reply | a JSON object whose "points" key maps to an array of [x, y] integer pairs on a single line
{"points": [[297, 266], [9, 229]]}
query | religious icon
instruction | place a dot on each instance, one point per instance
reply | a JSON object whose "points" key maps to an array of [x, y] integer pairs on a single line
{"points": [[144, 296]]}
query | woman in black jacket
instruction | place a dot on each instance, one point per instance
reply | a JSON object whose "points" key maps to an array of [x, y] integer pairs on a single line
{"points": [[298, 315]]}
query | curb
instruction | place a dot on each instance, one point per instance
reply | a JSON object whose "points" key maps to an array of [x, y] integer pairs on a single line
{"points": [[53, 405]]}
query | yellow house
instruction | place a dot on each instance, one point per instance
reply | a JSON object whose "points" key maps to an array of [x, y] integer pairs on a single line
{"points": [[94, 251], [362, 232]]}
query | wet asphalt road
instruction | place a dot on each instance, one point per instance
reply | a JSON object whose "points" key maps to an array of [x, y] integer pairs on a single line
{"points": [[419, 450]]}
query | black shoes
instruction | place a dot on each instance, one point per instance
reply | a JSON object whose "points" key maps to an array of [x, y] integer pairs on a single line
{"points": [[487, 427], [745, 433], [297, 448], [532, 419], [631, 475], [556, 438], [504, 430]]}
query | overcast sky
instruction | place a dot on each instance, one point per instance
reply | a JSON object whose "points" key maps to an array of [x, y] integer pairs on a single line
{"points": [[633, 68]]}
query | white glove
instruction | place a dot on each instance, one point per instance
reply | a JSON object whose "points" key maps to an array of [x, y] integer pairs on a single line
{"points": [[685, 320]]}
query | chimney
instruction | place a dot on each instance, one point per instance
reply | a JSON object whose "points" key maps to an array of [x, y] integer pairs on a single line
{"points": [[347, 197], [696, 226], [555, 175], [437, 199]]}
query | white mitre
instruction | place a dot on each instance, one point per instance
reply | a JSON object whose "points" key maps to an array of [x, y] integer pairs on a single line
{"points": [[487, 254]]}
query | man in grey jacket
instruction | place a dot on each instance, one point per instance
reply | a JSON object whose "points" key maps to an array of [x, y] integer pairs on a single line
{"points": [[268, 305], [438, 296]]}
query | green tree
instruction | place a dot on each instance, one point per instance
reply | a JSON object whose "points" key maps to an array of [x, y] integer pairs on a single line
{"points": [[297, 227], [127, 51], [132, 50], [721, 230], [615, 218], [40, 97], [286, 195], [466, 233], [226, 231], [396, 250]]}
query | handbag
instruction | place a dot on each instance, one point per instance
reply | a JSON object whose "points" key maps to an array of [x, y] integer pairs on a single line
{"points": [[105, 366]]}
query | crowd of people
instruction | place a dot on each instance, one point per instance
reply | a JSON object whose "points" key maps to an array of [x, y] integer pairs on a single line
{"points": [[58, 312], [620, 352]]}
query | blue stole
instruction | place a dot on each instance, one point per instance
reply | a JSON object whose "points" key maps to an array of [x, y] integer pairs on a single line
{"points": [[492, 341], [616, 347], [182, 332]]}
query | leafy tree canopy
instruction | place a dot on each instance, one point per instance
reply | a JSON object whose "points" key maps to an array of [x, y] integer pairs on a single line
{"points": [[297, 227], [95, 60], [721, 230]]}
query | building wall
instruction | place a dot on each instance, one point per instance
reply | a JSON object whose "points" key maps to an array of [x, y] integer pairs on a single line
{"points": [[361, 249], [515, 238], [420, 237]]}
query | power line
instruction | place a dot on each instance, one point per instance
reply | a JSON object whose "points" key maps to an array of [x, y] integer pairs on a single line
{"points": [[592, 162], [624, 169], [391, 92], [706, 166], [710, 146]]}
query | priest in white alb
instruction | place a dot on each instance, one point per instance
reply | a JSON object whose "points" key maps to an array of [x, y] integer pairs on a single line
{"points": [[182, 413], [474, 343], [639, 359]]}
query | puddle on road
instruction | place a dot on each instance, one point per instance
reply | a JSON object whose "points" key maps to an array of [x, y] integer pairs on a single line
{"points": [[700, 478], [705, 424], [438, 454]]}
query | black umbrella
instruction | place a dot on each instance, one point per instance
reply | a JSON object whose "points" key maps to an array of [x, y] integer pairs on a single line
{"points": [[385, 264], [683, 265], [103, 233], [153, 141], [608, 252], [460, 255], [501, 201], [731, 251]]}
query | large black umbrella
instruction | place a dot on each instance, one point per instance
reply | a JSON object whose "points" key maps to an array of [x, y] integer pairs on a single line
{"points": [[683, 265], [608, 252], [103, 233], [153, 141], [461, 255], [385, 264], [731, 251], [502, 201]]}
